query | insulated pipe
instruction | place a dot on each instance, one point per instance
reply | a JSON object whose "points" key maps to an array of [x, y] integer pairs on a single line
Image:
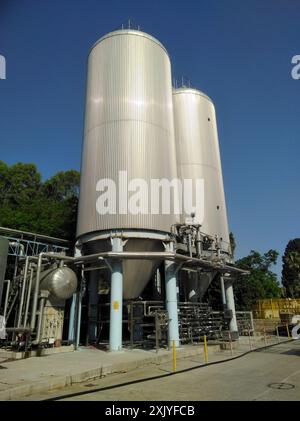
{"points": [[116, 299], [198, 243], [36, 292], [171, 270], [44, 295], [6, 297], [231, 306], [23, 292], [28, 297], [223, 295]]}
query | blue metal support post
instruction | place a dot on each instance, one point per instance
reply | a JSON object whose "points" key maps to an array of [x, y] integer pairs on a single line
{"points": [[116, 299], [171, 270]]}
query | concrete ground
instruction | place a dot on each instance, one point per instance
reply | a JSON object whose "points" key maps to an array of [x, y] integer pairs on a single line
{"points": [[38, 374], [270, 374]]}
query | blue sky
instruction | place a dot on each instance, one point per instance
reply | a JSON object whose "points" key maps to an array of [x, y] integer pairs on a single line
{"points": [[238, 52]]}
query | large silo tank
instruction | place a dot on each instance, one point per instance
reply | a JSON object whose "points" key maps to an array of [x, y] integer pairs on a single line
{"points": [[198, 156], [129, 127]]}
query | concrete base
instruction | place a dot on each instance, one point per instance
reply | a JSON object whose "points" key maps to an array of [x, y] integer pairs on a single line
{"points": [[227, 346], [13, 355]]}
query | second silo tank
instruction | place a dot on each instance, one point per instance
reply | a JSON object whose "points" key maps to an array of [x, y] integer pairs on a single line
{"points": [[198, 156]]}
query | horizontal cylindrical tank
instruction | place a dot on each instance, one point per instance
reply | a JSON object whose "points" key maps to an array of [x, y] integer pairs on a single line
{"points": [[198, 157], [60, 282], [128, 137]]}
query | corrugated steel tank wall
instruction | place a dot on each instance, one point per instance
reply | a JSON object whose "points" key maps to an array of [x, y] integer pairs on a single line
{"points": [[198, 155], [128, 125]]}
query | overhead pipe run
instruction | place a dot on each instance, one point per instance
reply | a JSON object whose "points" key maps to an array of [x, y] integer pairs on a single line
{"points": [[160, 256]]}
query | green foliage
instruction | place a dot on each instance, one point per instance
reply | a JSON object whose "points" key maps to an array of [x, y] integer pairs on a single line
{"points": [[28, 204], [260, 283], [232, 243], [291, 269]]}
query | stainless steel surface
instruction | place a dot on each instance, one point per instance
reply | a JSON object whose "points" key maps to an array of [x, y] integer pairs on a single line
{"points": [[198, 156], [128, 125], [136, 271], [60, 282]]}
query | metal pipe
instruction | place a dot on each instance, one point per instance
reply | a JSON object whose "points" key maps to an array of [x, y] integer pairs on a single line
{"points": [[28, 297], [23, 292], [33, 234], [231, 306], [17, 329], [36, 292], [223, 292], [44, 295], [116, 300], [158, 256], [6, 297], [71, 332], [78, 318], [57, 256], [198, 243], [18, 244]]}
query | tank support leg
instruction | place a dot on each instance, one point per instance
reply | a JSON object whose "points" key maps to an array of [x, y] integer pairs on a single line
{"points": [[231, 306], [116, 299], [171, 270]]}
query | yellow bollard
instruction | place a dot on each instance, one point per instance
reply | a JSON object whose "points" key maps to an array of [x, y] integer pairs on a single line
{"points": [[174, 357], [205, 350], [288, 331]]}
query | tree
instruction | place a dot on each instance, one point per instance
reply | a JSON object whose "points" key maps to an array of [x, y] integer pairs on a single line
{"points": [[260, 283], [63, 185], [232, 243], [28, 204], [291, 268]]}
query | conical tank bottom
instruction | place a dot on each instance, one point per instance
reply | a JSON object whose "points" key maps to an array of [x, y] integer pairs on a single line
{"points": [[136, 273], [195, 285]]}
